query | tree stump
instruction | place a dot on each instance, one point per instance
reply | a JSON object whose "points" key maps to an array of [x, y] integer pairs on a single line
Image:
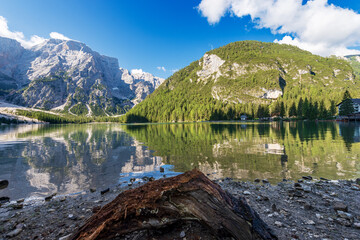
{"points": [[189, 205]]}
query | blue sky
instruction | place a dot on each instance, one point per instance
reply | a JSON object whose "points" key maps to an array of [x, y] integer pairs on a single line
{"points": [[150, 34]]}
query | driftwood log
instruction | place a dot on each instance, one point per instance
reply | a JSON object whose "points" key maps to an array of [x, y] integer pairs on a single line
{"points": [[188, 205]]}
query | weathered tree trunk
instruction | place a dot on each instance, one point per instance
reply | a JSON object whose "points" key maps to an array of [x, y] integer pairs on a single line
{"points": [[188, 205]]}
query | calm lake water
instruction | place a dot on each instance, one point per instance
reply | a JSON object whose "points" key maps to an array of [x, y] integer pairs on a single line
{"points": [[42, 159]]}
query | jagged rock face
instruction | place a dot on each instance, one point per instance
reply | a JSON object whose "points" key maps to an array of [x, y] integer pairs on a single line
{"points": [[272, 94], [66, 73], [210, 65], [213, 68], [141, 83]]}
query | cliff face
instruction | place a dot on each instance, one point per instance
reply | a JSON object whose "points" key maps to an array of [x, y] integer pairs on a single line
{"points": [[67, 75]]}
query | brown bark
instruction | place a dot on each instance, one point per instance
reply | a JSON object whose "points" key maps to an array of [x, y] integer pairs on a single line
{"points": [[189, 204]]}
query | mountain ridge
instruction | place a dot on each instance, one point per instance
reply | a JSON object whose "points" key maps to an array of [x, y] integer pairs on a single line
{"points": [[69, 76], [244, 77]]}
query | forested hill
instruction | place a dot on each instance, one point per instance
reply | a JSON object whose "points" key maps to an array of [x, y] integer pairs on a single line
{"points": [[255, 78]]}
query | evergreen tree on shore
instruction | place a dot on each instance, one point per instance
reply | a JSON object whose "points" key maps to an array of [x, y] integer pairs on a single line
{"points": [[292, 110], [300, 109], [346, 107]]}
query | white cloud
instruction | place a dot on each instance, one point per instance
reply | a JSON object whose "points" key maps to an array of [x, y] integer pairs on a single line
{"points": [[57, 35], [316, 26], [162, 68], [174, 70], [19, 36], [137, 71]]}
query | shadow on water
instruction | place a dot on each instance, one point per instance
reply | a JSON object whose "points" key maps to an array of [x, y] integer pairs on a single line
{"points": [[350, 133]]}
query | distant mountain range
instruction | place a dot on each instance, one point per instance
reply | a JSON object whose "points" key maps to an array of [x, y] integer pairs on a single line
{"points": [[68, 76], [245, 77], [251, 77]]}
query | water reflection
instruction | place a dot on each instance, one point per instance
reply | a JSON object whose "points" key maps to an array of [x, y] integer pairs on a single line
{"points": [[248, 151], [350, 132], [38, 160]]}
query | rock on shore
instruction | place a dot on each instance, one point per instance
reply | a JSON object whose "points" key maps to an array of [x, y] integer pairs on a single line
{"points": [[305, 210], [310, 209]]}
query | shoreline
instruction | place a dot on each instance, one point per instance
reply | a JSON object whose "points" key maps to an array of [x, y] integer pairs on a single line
{"points": [[308, 209]]}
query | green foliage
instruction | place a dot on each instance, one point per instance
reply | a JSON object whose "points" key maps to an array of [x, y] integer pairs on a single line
{"points": [[10, 120], [97, 110], [52, 118], [355, 64], [79, 109], [185, 97], [346, 107], [292, 110], [282, 109], [61, 118], [263, 111]]}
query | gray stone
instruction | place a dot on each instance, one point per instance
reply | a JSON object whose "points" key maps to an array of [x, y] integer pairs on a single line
{"points": [[4, 200], [343, 221], [357, 225], [310, 222], [344, 215], [65, 237], [307, 177], [274, 208], [4, 184], [104, 191], [72, 217], [278, 224], [247, 193], [182, 234], [14, 233], [339, 206], [308, 206], [307, 189]]}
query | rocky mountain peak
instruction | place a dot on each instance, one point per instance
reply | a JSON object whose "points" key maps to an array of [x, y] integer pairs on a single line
{"points": [[70, 76]]}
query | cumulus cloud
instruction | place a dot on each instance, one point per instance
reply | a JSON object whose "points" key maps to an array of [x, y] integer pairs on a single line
{"points": [[316, 26], [162, 68], [57, 35], [19, 36], [137, 71]]}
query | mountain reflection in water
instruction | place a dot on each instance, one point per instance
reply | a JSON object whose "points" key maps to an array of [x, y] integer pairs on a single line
{"points": [[42, 159]]}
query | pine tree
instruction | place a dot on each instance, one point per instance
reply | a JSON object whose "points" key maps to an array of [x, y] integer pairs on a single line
{"points": [[314, 110], [306, 109], [300, 109], [276, 109], [282, 109], [322, 110], [346, 107], [292, 110], [260, 112], [333, 108]]}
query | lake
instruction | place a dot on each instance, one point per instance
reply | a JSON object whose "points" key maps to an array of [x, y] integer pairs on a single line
{"points": [[42, 159]]}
